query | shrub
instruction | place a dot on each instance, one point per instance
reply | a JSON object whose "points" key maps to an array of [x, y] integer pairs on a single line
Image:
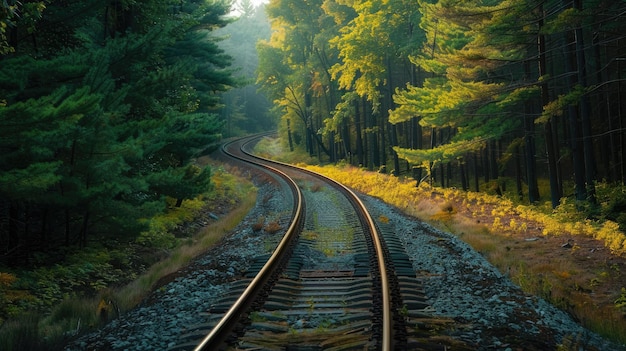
{"points": [[615, 210], [258, 225], [620, 302], [272, 227]]}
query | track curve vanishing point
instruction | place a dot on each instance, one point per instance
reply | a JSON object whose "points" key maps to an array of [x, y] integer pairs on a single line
{"points": [[385, 331]]}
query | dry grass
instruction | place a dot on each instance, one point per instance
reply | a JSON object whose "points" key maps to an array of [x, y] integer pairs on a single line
{"points": [[130, 295], [72, 316], [521, 242], [258, 225], [272, 227]]}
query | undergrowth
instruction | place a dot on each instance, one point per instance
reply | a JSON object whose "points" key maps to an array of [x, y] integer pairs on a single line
{"points": [[43, 307], [498, 217], [492, 214]]}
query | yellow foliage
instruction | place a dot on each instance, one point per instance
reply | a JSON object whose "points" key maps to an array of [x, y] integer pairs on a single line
{"points": [[523, 227], [497, 223], [614, 239], [403, 194], [6, 279]]}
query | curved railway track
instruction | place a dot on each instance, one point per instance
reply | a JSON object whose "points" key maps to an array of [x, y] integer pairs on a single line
{"points": [[325, 294], [333, 282]]}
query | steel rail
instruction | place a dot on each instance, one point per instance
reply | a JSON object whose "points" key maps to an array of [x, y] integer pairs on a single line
{"points": [[220, 332], [224, 327], [387, 342]]}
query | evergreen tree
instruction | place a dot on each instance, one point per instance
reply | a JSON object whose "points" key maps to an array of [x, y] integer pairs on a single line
{"points": [[97, 130]]}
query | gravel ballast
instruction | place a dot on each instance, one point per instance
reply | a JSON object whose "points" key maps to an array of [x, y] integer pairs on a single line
{"points": [[488, 310]]}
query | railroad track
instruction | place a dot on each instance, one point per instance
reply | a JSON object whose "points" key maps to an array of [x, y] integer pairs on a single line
{"points": [[337, 280]]}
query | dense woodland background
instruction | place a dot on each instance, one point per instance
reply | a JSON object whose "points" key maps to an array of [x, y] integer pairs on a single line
{"points": [[491, 94], [105, 105]]}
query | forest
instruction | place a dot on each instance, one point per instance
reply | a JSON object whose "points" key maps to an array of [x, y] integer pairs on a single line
{"points": [[517, 96], [523, 96], [103, 107], [106, 107]]}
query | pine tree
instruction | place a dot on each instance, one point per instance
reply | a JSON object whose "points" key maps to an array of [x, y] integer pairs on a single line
{"points": [[95, 136]]}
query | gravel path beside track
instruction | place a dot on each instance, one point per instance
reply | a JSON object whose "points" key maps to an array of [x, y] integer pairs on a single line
{"points": [[484, 308]]}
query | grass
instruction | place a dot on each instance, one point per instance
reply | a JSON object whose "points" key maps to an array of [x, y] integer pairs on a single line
{"points": [[522, 241], [75, 314], [130, 295], [497, 228]]}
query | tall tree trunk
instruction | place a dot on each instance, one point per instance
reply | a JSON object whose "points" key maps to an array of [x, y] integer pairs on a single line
{"points": [[392, 128], [359, 138], [529, 145], [476, 173], [308, 122], [84, 229], [463, 175], [289, 136], [433, 144], [372, 137], [585, 115], [347, 142], [574, 126], [518, 173], [493, 160], [416, 141], [441, 165], [332, 147], [555, 195], [485, 163], [394, 142], [602, 112], [621, 113]]}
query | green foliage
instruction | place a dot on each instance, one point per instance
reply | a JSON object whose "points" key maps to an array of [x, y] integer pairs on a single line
{"points": [[14, 14], [366, 42], [615, 208], [83, 273], [96, 132], [444, 153], [557, 107], [42, 306], [158, 234], [13, 299], [161, 228], [620, 302], [465, 49]]}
